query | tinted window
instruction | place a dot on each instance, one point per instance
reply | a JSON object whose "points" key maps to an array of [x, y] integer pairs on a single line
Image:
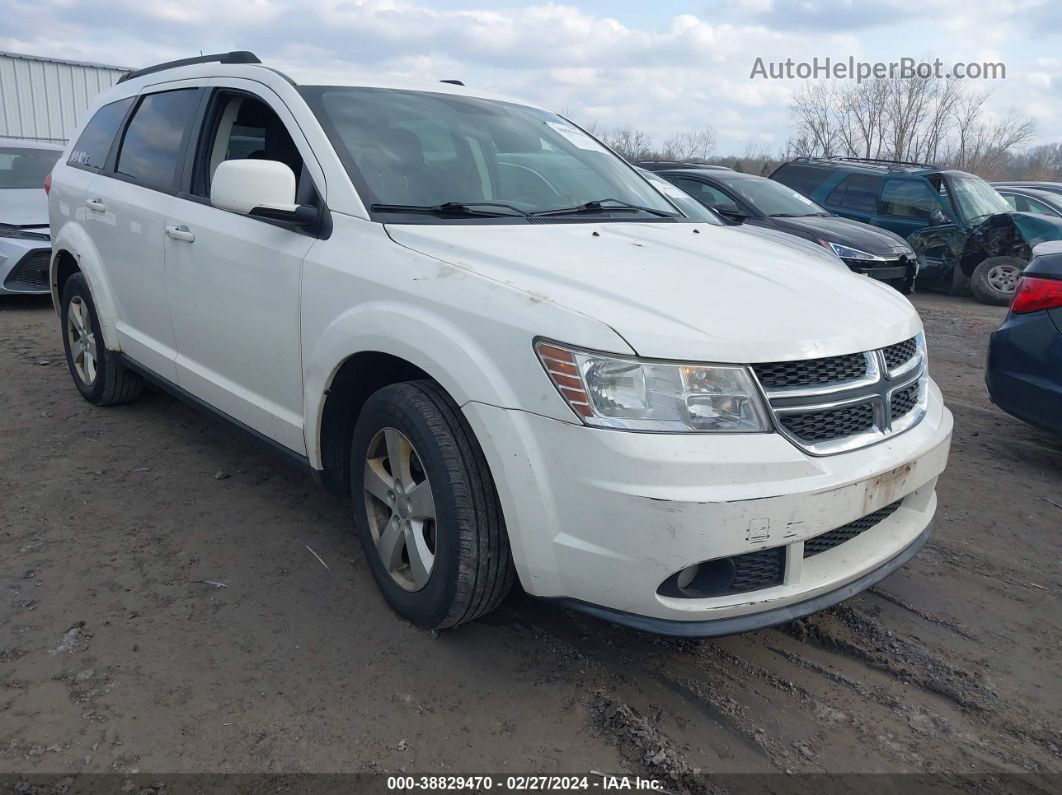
{"points": [[706, 194], [95, 141], [154, 135], [908, 199], [25, 168], [857, 192], [770, 197], [804, 179]]}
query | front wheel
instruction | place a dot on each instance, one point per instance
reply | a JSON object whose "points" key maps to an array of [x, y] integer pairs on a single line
{"points": [[426, 508], [995, 280]]}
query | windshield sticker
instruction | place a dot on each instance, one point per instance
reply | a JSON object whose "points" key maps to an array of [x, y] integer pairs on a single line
{"points": [[576, 136]]}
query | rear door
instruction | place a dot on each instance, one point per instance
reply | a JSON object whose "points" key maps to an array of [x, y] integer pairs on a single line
{"points": [[856, 197], [234, 280], [125, 212]]}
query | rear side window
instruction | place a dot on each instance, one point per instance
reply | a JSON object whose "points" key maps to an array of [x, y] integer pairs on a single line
{"points": [[95, 140], [803, 179], [857, 192], [154, 136]]}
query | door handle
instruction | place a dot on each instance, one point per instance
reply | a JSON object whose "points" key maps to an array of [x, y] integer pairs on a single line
{"points": [[180, 233], [96, 205]]}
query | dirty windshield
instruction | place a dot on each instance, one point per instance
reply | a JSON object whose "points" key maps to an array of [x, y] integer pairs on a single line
{"points": [[976, 198], [451, 156]]}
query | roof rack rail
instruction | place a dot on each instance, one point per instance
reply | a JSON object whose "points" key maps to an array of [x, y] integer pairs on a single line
{"points": [[881, 161], [453, 82], [236, 56]]}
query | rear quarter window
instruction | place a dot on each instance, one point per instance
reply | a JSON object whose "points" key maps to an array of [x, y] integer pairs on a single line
{"points": [[803, 179], [95, 140]]}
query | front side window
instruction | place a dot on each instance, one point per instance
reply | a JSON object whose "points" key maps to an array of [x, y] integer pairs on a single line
{"points": [[909, 198], [94, 143], [153, 139], [707, 195], [771, 198], [243, 127], [425, 149], [25, 168]]}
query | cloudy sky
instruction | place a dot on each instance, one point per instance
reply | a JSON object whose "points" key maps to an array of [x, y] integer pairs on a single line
{"points": [[660, 65]]}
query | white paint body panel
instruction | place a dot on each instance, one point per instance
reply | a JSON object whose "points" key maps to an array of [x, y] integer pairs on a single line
{"points": [[263, 318]]}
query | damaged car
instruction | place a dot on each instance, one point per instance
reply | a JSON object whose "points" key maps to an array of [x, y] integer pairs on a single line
{"points": [[965, 234]]}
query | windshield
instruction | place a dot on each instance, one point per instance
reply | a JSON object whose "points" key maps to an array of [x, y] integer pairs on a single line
{"points": [[770, 197], [690, 207], [25, 168], [976, 198], [425, 149]]}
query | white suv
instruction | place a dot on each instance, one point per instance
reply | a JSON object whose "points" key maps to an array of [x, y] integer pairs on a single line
{"points": [[505, 344]]}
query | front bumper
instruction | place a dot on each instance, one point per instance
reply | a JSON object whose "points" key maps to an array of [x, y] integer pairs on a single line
{"points": [[24, 266], [605, 517], [899, 272]]}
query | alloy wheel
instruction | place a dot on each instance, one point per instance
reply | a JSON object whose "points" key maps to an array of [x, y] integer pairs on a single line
{"points": [[400, 509], [1004, 278], [81, 339]]}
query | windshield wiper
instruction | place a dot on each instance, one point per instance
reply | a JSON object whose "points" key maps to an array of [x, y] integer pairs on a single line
{"points": [[596, 206], [455, 209], [793, 215]]}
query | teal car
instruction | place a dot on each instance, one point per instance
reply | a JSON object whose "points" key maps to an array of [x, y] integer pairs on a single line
{"points": [[963, 231]]}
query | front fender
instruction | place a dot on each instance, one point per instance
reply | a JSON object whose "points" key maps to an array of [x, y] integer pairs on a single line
{"points": [[74, 240], [451, 356]]}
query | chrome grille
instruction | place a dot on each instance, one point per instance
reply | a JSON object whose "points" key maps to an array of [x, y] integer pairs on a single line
{"points": [[865, 398], [899, 354], [811, 371], [820, 426]]}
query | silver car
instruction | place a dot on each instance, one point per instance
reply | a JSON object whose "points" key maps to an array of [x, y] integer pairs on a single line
{"points": [[25, 243]]}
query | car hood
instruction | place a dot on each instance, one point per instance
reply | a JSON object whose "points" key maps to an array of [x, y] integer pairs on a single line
{"points": [[847, 232], [698, 292], [1035, 228], [23, 207]]}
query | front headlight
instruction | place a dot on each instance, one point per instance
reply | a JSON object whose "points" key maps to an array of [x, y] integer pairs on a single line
{"points": [[638, 395], [847, 252]]}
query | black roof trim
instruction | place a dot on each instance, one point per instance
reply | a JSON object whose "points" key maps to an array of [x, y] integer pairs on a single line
{"points": [[236, 56], [453, 82]]}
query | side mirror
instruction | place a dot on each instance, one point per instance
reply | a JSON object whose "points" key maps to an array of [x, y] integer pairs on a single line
{"points": [[937, 216], [261, 188]]}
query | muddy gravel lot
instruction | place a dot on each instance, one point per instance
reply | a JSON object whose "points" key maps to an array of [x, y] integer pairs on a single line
{"points": [[163, 611]]}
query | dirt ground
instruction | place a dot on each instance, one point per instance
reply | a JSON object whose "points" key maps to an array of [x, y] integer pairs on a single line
{"points": [[162, 612]]}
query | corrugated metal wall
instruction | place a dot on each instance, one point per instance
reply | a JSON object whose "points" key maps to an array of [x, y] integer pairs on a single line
{"points": [[43, 99]]}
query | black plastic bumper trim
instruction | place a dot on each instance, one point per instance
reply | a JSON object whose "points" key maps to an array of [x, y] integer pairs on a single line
{"points": [[747, 623]]}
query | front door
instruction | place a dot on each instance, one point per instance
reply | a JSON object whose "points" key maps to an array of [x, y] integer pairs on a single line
{"points": [[235, 281]]}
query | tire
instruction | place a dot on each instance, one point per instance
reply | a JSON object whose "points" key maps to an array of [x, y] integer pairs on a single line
{"points": [[995, 279], [471, 569], [99, 374]]}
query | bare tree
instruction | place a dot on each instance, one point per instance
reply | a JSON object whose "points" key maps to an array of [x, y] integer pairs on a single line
{"points": [[630, 143], [697, 143], [919, 119]]}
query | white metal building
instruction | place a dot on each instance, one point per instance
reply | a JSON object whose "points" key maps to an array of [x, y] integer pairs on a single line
{"points": [[43, 98]]}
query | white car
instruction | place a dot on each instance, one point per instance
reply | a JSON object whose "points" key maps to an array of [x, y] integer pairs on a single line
{"points": [[513, 353], [24, 241]]}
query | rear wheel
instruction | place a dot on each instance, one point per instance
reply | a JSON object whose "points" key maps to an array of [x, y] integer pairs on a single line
{"points": [[995, 279], [99, 374], [426, 508]]}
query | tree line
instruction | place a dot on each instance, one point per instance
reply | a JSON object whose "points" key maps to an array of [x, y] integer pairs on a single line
{"points": [[937, 121]]}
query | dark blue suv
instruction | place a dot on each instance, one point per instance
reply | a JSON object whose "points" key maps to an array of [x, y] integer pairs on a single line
{"points": [[962, 230]]}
